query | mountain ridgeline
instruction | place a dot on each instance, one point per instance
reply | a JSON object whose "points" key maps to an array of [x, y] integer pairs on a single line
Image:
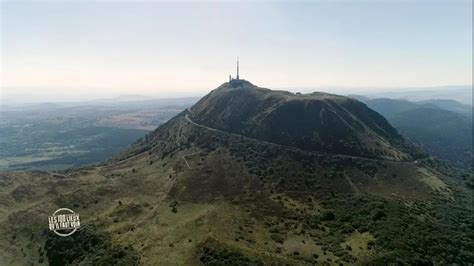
{"points": [[314, 122], [442, 128]]}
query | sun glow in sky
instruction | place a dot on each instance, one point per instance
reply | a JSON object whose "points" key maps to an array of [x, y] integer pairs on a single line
{"points": [[174, 49]]}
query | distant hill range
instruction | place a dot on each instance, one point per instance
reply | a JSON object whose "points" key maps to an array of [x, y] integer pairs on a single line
{"points": [[442, 127], [462, 94]]}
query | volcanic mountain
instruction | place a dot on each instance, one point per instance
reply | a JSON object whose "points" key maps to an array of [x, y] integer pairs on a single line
{"points": [[249, 176], [314, 122]]}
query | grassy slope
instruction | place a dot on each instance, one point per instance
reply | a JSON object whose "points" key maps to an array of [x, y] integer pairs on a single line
{"points": [[242, 200]]}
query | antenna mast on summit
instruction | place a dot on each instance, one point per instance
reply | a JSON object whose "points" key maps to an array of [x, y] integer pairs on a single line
{"points": [[237, 68]]}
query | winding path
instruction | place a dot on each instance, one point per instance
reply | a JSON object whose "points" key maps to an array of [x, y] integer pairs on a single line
{"points": [[284, 146]]}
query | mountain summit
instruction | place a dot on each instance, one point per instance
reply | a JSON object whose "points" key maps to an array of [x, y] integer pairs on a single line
{"points": [[314, 122]]}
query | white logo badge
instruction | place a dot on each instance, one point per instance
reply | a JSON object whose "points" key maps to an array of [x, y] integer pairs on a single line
{"points": [[64, 222]]}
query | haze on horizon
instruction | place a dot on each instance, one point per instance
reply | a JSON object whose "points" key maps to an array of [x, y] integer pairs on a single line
{"points": [[99, 49]]}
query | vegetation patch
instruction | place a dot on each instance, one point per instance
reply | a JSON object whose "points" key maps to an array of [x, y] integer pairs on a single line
{"points": [[224, 256], [88, 246]]}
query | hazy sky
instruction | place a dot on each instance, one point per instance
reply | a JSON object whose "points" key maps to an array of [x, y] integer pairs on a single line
{"points": [[170, 49]]}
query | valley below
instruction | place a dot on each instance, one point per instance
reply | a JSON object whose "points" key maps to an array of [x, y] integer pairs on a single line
{"points": [[57, 136]]}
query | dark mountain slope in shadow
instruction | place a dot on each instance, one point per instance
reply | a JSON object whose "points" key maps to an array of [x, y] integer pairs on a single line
{"points": [[314, 122]]}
